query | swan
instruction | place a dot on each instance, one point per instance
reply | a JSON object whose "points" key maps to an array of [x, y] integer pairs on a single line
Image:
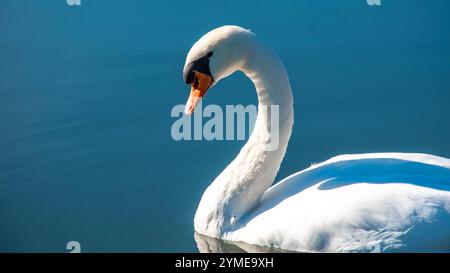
{"points": [[383, 202]]}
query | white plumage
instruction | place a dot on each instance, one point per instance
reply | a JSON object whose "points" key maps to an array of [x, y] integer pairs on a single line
{"points": [[367, 202]]}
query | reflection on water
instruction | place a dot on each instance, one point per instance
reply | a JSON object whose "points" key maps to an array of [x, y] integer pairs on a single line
{"points": [[207, 244]]}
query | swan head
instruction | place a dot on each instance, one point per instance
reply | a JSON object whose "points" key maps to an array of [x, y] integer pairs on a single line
{"points": [[213, 57]]}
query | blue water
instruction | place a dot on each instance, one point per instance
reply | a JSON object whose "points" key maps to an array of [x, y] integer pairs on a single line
{"points": [[86, 93]]}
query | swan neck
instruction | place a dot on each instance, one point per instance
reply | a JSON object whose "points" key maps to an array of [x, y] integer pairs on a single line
{"points": [[240, 186], [271, 81]]}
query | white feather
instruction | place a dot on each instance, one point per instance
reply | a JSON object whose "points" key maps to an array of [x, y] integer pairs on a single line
{"points": [[367, 202]]}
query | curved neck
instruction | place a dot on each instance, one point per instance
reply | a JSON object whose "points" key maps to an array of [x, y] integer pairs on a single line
{"points": [[239, 188]]}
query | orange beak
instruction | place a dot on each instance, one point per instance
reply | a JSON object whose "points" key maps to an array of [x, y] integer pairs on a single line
{"points": [[199, 87]]}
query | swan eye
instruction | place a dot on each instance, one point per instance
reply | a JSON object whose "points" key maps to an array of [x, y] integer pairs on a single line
{"points": [[201, 65], [195, 82]]}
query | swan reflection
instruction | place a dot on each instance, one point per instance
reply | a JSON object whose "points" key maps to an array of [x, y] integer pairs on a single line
{"points": [[207, 244]]}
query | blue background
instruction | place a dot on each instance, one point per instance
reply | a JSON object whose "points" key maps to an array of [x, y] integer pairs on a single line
{"points": [[86, 93]]}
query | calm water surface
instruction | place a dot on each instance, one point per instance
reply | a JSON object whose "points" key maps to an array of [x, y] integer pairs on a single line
{"points": [[86, 93]]}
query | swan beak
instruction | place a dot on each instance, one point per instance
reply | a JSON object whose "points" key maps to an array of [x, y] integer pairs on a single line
{"points": [[199, 87]]}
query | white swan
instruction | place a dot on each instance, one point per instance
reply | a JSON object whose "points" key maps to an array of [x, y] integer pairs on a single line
{"points": [[366, 202]]}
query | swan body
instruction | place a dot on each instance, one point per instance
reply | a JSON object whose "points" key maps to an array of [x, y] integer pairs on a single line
{"points": [[349, 203], [354, 203]]}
